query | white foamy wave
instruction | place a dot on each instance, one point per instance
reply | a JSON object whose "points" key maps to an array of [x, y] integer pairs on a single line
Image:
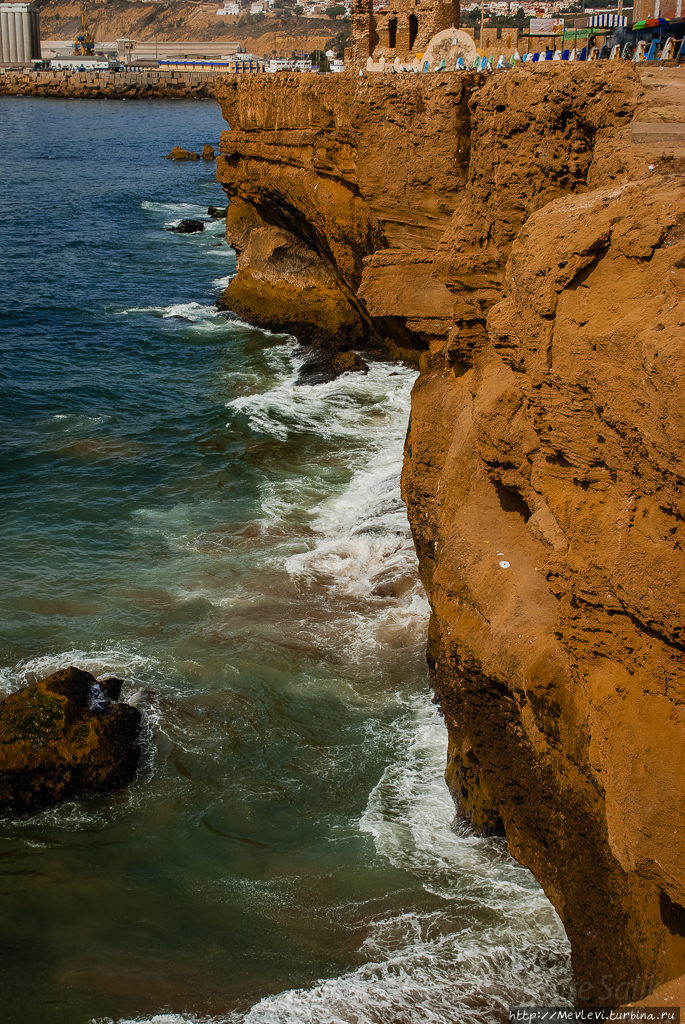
{"points": [[180, 210], [430, 980], [221, 283], [346, 407], [164, 1018], [363, 550], [222, 250], [199, 316], [135, 669], [192, 314], [195, 314], [410, 815], [492, 941], [364, 540]]}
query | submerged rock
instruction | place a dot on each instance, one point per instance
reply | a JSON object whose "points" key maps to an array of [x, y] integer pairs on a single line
{"points": [[177, 153], [65, 737], [188, 227], [321, 366]]}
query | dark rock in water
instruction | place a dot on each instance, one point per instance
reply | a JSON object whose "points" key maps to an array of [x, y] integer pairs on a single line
{"points": [[182, 154], [321, 366], [112, 687], [64, 738], [217, 212], [208, 152], [188, 227]]}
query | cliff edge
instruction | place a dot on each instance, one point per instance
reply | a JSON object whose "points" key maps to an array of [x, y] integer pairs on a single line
{"points": [[521, 237]]}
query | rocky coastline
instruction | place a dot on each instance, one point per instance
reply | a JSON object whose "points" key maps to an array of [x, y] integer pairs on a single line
{"points": [[521, 239]]}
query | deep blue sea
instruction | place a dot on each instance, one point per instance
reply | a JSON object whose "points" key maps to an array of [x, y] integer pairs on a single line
{"points": [[177, 512]]}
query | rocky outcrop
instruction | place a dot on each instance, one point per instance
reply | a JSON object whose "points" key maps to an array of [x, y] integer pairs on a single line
{"points": [[179, 153], [63, 738], [187, 227], [323, 174], [522, 238], [370, 201], [544, 483]]}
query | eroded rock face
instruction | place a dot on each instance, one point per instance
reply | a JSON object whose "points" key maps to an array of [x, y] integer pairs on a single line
{"points": [[545, 488], [379, 212], [323, 173], [64, 738]]}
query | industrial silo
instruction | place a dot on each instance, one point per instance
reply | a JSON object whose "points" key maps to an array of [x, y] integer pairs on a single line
{"points": [[19, 33]]}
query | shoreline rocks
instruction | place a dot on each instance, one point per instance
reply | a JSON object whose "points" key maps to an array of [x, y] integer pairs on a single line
{"points": [[188, 227], [321, 366], [65, 738], [177, 153]]}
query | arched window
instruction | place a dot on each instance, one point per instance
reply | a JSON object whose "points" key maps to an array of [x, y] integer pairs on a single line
{"points": [[392, 33], [413, 30]]}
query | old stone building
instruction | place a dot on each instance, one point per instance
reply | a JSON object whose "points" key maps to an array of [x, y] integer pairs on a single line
{"points": [[672, 9], [401, 29]]}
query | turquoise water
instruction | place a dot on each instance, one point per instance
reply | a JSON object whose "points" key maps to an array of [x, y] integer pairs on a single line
{"points": [[177, 511]]}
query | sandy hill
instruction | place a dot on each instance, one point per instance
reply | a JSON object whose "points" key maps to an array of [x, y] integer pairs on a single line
{"points": [[183, 20]]}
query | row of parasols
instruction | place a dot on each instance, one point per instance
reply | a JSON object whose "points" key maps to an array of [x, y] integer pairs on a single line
{"points": [[629, 51]]}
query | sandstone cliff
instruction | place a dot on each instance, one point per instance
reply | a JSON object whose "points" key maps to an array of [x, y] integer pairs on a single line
{"points": [[523, 238], [339, 187]]}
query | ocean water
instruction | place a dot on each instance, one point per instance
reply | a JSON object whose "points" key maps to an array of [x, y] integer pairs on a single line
{"points": [[176, 511]]}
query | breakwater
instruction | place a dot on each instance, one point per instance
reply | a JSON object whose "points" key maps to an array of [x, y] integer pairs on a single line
{"points": [[113, 85]]}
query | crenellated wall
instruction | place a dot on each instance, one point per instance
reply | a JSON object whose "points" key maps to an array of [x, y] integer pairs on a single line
{"points": [[402, 29]]}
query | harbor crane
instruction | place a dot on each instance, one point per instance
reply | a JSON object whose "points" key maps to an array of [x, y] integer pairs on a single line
{"points": [[84, 43]]}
